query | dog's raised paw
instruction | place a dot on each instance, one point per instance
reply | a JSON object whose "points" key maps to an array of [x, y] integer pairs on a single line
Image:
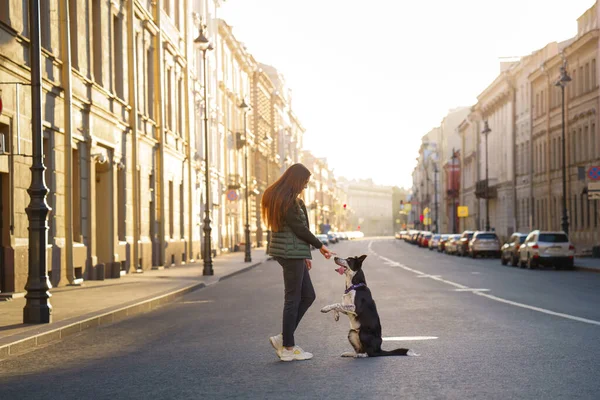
{"points": [[336, 316]]}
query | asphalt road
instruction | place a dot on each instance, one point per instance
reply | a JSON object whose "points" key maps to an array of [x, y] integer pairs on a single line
{"points": [[533, 334]]}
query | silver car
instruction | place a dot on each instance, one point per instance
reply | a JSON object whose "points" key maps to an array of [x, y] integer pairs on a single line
{"points": [[484, 244], [544, 248]]}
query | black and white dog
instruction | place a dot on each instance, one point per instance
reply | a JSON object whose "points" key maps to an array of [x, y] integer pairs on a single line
{"points": [[358, 304]]}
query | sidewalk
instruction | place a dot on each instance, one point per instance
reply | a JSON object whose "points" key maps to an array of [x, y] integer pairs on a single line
{"points": [[587, 264], [95, 303]]}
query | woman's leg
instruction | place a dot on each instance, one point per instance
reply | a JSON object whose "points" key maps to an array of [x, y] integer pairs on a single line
{"points": [[293, 275], [307, 295]]}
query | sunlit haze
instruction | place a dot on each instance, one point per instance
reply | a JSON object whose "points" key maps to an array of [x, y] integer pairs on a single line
{"points": [[370, 78]]}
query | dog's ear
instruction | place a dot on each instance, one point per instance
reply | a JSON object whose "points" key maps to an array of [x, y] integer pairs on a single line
{"points": [[362, 258]]}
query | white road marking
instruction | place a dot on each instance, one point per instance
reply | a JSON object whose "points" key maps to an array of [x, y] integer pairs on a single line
{"points": [[475, 273], [197, 302], [429, 276], [403, 338], [471, 290], [491, 297]]}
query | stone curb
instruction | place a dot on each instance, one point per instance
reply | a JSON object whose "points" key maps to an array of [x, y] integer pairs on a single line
{"points": [[587, 269], [25, 341]]}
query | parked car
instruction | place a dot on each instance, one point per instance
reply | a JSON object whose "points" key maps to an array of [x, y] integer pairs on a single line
{"points": [[510, 250], [323, 239], [452, 244], [462, 247], [332, 236], [442, 243], [426, 239], [484, 244], [547, 249], [435, 240]]}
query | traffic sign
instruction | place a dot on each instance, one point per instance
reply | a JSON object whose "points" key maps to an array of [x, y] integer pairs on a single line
{"points": [[594, 173], [594, 190], [463, 211], [232, 195]]}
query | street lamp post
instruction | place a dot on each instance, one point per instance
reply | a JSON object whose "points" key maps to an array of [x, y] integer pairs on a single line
{"points": [[247, 255], [435, 172], [204, 45], [562, 82], [486, 131], [38, 309]]}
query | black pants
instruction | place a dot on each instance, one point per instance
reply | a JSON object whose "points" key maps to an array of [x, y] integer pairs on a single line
{"points": [[299, 295]]}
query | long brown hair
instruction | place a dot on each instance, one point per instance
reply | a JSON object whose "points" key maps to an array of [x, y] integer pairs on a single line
{"points": [[282, 195]]}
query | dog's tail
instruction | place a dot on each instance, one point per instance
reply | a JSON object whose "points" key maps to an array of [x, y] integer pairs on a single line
{"points": [[396, 352]]}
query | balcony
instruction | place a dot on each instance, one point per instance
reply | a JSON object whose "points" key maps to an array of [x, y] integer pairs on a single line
{"points": [[234, 181], [484, 191]]}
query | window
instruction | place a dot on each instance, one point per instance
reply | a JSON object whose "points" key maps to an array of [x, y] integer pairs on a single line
{"points": [[150, 81], [586, 144], [587, 77], [171, 211], [118, 56], [589, 224], [181, 211], [582, 213], [73, 32], [593, 77], [97, 40], [45, 25], [121, 205], [593, 149], [168, 96], [76, 197], [580, 81], [180, 107], [574, 211], [5, 12]]}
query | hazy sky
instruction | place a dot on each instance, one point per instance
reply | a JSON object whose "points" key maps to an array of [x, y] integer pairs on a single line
{"points": [[371, 77]]}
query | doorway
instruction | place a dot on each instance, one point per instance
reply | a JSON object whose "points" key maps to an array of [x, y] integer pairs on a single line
{"points": [[104, 213]]}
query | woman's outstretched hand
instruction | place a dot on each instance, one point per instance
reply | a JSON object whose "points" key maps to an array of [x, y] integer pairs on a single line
{"points": [[326, 253]]}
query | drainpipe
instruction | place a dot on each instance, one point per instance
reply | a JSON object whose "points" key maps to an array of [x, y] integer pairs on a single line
{"points": [[514, 160], [531, 199], [547, 155], [133, 119], [190, 247], [68, 118], [160, 173]]}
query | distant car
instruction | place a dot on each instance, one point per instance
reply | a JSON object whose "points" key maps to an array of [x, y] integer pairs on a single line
{"points": [[425, 239], [547, 249], [323, 239], [442, 243], [434, 242], [452, 244], [484, 244], [332, 236], [462, 247], [510, 250]]}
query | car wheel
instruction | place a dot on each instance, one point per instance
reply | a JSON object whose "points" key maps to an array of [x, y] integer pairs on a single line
{"points": [[502, 260], [514, 261]]}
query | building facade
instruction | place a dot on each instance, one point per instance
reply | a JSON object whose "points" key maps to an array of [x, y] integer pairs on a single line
{"points": [[127, 95]]}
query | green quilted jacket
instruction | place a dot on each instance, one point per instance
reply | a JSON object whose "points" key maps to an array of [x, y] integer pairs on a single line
{"points": [[295, 238]]}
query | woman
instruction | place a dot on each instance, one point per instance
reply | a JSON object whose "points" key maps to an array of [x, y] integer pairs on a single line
{"points": [[285, 213]]}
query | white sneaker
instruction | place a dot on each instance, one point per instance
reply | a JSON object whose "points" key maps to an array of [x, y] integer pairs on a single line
{"points": [[277, 343], [295, 354]]}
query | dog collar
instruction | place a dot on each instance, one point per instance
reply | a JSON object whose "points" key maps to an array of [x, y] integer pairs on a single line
{"points": [[354, 287]]}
